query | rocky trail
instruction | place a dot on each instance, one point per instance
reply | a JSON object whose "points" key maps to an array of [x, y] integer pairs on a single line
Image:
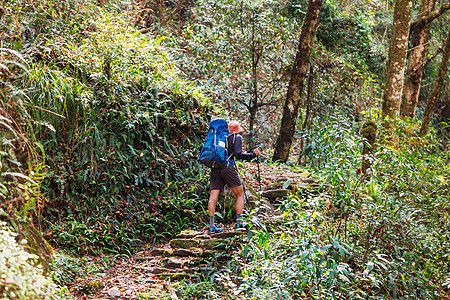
{"points": [[152, 272]]}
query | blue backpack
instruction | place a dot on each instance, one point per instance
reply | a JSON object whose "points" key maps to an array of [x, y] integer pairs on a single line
{"points": [[214, 153]]}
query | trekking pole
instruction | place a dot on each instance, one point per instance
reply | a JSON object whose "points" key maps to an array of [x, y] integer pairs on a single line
{"points": [[259, 171], [224, 205], [259, 176], [243, 186]]}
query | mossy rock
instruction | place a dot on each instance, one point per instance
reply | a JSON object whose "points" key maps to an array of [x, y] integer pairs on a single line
{"points": [[293, 180], [229, 199], [186, 253], [263, 206], [208, 253], [213, 244], [173, 263], [276, 194], [184, 243], [311, 186], [187, 234], [164, 252], [36, 244], [277, 185], [252, 199], [197, 262], [93, 286]]}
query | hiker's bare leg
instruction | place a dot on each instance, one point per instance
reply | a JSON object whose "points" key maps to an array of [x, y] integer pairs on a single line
{"points": [[238, 191], [213, 198]]}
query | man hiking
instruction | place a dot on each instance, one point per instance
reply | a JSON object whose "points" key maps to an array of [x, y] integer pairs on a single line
{"points": [[228, 175]]}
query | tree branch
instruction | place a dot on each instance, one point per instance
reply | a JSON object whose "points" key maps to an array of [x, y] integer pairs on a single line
{"points": [[431, 16], [270, 103], [243, 103], [438, 51]]}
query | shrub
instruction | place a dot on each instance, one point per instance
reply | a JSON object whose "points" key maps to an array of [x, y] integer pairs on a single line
{"points": [[20, 276]]}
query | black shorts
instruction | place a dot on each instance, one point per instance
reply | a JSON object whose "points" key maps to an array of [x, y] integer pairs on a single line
{"points": [[225, 175]]}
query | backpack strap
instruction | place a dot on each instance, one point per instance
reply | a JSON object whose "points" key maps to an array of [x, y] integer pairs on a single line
{"points": [[227, 145]]}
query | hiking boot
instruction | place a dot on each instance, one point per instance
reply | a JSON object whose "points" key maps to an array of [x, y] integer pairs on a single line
{"points": [[215, 229], [242, 226]]}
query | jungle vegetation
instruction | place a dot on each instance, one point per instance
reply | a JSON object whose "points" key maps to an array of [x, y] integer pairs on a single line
{"points": [[104, 107]]}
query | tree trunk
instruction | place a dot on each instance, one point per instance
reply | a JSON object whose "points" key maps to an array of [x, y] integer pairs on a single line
{"points": [[416, 64], [298, 75], [253, 102], [398, 47], [437, 88]]}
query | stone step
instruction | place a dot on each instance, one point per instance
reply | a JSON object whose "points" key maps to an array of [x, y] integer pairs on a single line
{"points": [[192, 240], [228, 234], [189, 234], [187, 253], [275, 194], [184, 243], [214, 244], [164, 252]]}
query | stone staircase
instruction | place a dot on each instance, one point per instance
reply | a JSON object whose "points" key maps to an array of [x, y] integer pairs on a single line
{"points": [[188, 256]]}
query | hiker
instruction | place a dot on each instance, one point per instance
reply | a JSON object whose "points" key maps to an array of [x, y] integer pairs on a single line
{"points": [[229, 175]]}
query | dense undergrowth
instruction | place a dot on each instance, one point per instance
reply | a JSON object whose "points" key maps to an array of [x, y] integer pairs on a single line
{"points": [[132, 130], [119, 127], [376, 237], [100, 137]]}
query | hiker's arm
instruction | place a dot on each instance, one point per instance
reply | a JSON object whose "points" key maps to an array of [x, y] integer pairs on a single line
{"points": [[238, 150]]}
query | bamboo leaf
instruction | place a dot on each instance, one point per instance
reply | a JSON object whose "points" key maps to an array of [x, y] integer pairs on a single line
{"points": [[15, 174], [286, 184]]}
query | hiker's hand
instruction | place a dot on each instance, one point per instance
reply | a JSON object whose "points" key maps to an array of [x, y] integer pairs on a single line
{"points": [[256, 151]]}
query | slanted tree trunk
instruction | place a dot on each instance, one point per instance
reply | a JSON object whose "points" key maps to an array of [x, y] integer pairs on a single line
{"points": [[416, 63], [437, 88], [369, 132], [298, 75], [398, 46]]}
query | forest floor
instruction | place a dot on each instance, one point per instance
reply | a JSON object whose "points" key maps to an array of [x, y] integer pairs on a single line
{"points": [[140, 274]]}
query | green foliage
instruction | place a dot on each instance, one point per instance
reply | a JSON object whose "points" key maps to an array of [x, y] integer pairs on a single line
{"points": [[21, 168], [347, 62], [331, 146], [354, 32], [294, 261], [199, 291], [376, 237], [120, 128], [117, 123], [21, 277], [75, 273]]}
